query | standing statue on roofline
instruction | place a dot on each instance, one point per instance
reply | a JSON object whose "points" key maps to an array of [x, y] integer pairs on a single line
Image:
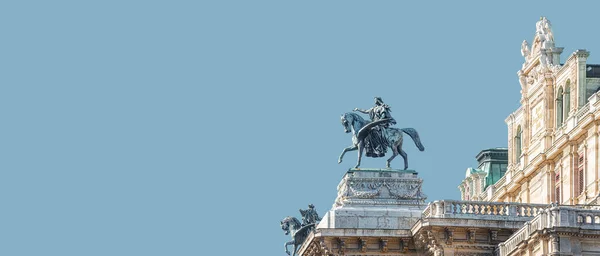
{"points": [[376, 136]]}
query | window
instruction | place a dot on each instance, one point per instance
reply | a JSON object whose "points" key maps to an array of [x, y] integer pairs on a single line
{"points": [[557, 188], [567, 99], [518, 144], [580, 172], [559, 107]]}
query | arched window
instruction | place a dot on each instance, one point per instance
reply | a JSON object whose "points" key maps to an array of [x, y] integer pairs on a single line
{"points": [[518, 144], [559, 107], [567, 99]]}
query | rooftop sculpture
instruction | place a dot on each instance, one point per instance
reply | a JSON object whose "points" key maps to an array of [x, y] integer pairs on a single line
{"points": [[299, 231], [376, 136]]}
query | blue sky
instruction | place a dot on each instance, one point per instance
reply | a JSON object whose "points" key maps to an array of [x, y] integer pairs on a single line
{"points": [[193, 127]]}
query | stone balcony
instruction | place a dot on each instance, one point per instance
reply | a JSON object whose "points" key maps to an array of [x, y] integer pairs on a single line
{"points": [[452, 227], [560, 230]]}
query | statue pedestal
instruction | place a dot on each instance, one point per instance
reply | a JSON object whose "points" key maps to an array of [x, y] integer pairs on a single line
{"points": [[386, 202]]}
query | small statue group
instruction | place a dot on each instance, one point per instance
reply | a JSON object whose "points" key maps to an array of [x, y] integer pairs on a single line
{"points": [[299, 231], [310, 215], [543, 44]]}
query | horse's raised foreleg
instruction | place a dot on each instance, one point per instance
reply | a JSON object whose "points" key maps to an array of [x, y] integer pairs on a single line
{"points": [[351, 148], [403, 154], [286, 246], [361, 146]]}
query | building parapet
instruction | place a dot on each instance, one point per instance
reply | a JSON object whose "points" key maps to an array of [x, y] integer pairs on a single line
{"points": [[481, 210], [556, 217]]}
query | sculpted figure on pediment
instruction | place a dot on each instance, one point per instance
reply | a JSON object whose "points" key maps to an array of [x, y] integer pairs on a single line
{"points": [[542, 45], [531, 77], [546, 39], [545, 32], [525, 50], [522, 80]]}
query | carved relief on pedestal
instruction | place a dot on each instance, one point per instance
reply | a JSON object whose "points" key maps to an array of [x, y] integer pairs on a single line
{"points": [[363, 188]]}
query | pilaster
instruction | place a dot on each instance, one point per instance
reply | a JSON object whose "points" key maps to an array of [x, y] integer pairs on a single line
{"points": [[582, 56]]}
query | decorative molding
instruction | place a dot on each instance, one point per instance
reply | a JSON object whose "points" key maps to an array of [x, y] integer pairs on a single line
{"points": [[342, 245], [493, 235], [363, 244], [383, 245], [471, 235], [449, 235], [404, 244]]}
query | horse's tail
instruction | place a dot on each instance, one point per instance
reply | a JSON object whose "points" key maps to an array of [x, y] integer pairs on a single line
{"points": [[415, 136]]}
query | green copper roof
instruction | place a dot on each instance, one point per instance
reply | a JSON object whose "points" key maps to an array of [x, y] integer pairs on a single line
{"points": [[492, 162]]}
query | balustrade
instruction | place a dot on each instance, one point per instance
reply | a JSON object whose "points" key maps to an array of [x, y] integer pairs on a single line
{"points": [[559, 216], [466, 209]]}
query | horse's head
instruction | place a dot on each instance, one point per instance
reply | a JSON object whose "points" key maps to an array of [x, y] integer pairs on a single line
{"points": [[285, 226], [346, 122], [289, 223]]}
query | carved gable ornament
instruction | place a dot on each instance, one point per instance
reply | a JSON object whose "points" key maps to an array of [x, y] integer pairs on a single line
{"points": [[542, 46]]}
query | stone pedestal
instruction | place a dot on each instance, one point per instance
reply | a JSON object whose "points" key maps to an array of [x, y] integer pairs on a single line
{"points": [[385, 202], [372, 215]]}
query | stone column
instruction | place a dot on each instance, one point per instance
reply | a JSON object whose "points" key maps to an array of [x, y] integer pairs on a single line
{"points": [[511, 146], [525, 196], [549, 121], [555, 244], [596, 156], [556, 51], [548, 184], [545, 247], [526, 135], [581, 76], [571, 169]]}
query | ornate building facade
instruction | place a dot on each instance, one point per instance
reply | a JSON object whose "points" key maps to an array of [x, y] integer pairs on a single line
{"points": [[536, 197], [553, 137]]}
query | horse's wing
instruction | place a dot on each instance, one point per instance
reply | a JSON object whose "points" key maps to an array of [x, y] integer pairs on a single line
{"points": [[302, 233]]}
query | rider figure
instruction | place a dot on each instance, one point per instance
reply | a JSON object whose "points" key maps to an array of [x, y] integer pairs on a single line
{"points": [[375, 143], [309, 215]]}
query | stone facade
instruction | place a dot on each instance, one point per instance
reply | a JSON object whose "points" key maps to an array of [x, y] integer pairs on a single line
{"points": [[553, 137], [540, 202]]}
